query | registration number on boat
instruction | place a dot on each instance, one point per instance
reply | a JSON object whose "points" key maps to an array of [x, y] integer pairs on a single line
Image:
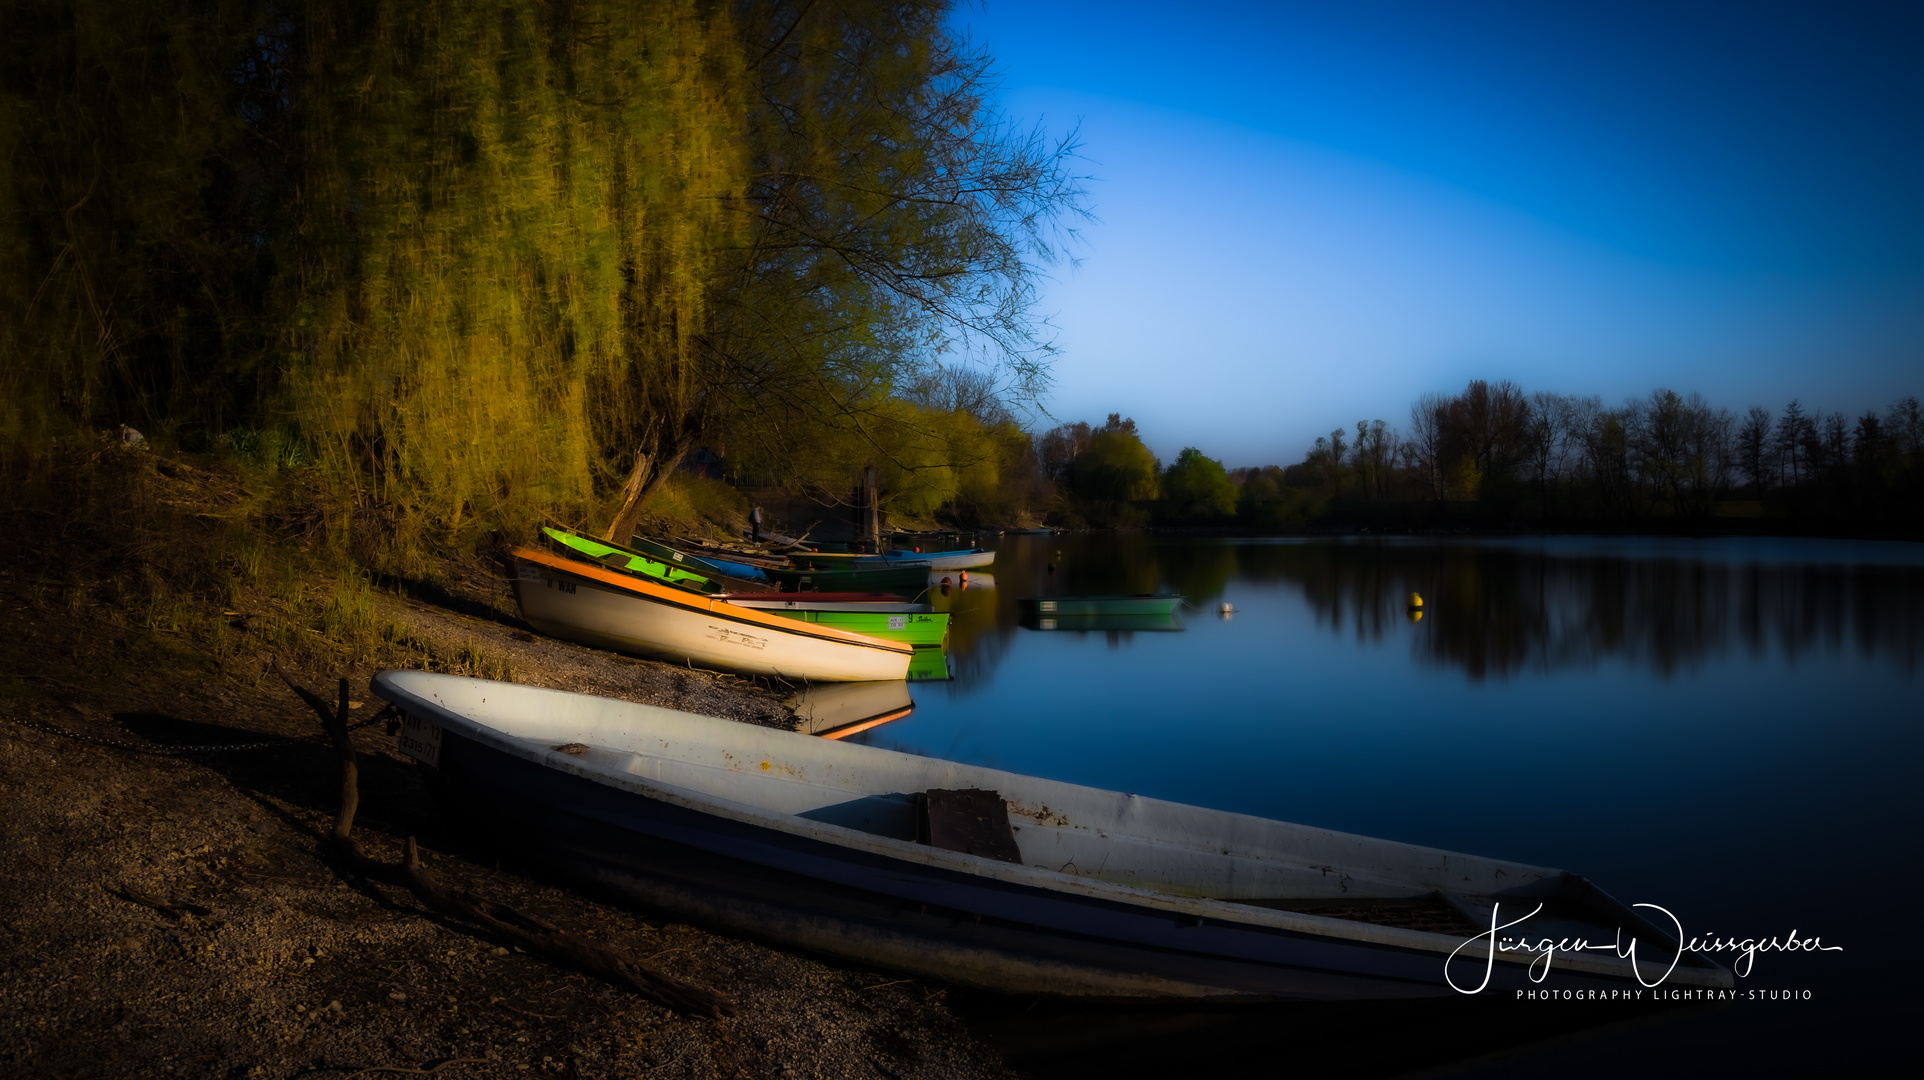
{"points": [[421, 740], [1046, 605]]}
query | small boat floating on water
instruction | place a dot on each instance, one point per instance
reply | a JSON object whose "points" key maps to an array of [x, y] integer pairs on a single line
{"points": [[967, 559], [988, 878], [610, 609]]}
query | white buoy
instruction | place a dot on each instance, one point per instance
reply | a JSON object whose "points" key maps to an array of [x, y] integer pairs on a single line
{"points": [[1226, 610]]}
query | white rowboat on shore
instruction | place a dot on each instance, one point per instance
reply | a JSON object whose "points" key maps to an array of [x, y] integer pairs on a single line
{"points": [[595, 606], [861, 853]]}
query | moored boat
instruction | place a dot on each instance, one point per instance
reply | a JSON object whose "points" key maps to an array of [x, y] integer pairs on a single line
{"points": [[993, 879], [613, 610], [907, 582], [967, 559]]}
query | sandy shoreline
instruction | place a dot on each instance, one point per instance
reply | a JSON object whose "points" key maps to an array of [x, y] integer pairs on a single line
{"points": [[174, 912]]}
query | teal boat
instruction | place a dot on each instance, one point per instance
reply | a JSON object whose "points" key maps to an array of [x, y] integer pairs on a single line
{"points": [[964, 559], [1163, 604]]}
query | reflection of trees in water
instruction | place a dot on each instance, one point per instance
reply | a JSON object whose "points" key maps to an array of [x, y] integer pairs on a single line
{"points": [[1199, 572], [1495, 611], [1491, 610]]}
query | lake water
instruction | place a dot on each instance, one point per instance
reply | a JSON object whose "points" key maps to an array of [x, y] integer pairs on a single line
{"points": [[1728, 728]]}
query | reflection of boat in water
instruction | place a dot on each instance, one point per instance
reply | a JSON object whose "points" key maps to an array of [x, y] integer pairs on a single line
{"points": [[1141, 604], [1130, 623], [838, 710], [993, 879], [929, 665]]}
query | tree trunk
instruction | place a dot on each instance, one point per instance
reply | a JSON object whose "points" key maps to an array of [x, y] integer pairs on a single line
{"points": [[622, 526], [641, 486], [871, 514]]}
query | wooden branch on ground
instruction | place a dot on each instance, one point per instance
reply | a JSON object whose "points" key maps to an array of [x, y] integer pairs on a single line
{"points": [[533, 935]]}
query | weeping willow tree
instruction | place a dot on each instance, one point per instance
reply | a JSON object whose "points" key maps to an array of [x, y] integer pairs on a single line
{"points": [[497, 258], [514, 214], [896, 222]]}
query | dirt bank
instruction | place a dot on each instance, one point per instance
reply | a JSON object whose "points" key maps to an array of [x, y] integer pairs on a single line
{"points": [[171, 910]]}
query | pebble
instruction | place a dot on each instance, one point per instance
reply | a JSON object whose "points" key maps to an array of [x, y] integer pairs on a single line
{"points": [[397, 996], [335, 1005]]}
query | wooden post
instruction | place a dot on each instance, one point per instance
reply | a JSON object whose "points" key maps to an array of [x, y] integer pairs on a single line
{"points": [[872, 515]]}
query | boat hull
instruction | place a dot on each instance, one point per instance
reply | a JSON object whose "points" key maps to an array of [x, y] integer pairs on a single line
{"points": [[582, 606]]}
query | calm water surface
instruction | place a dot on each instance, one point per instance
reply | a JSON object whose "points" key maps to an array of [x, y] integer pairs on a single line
{"points": [[1727, 728]]}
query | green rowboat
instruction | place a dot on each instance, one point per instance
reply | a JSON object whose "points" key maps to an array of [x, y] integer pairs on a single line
{"points": [[629, 561], [913, 624]]}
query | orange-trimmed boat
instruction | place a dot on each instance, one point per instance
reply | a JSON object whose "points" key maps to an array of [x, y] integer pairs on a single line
{"points": [[582, 602]]}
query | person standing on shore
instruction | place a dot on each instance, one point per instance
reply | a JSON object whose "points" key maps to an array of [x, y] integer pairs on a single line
{"points": [[755, 524]]}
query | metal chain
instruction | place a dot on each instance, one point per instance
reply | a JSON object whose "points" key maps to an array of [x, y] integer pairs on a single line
{"points": [[150, 748]]}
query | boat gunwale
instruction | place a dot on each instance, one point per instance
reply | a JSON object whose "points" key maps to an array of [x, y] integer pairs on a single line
{"points": [[702, 603], [1692, 968]]}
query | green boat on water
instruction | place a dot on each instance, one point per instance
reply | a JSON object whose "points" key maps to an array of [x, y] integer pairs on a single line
{"points": [[1163, 604]]}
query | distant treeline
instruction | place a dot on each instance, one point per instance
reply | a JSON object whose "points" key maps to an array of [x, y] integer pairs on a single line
{"points": [[1492, 454]]}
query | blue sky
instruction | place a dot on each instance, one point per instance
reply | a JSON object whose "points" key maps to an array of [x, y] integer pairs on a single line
{"points": [[1311, 213]]}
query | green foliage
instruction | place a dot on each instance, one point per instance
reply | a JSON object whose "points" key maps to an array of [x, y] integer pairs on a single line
{"points": [[488, 261], [687, 502], [1114, 467], [1197, 487]]}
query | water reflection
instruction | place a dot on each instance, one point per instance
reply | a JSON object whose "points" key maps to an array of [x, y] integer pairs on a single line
{"points": [[1497, 609]]}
